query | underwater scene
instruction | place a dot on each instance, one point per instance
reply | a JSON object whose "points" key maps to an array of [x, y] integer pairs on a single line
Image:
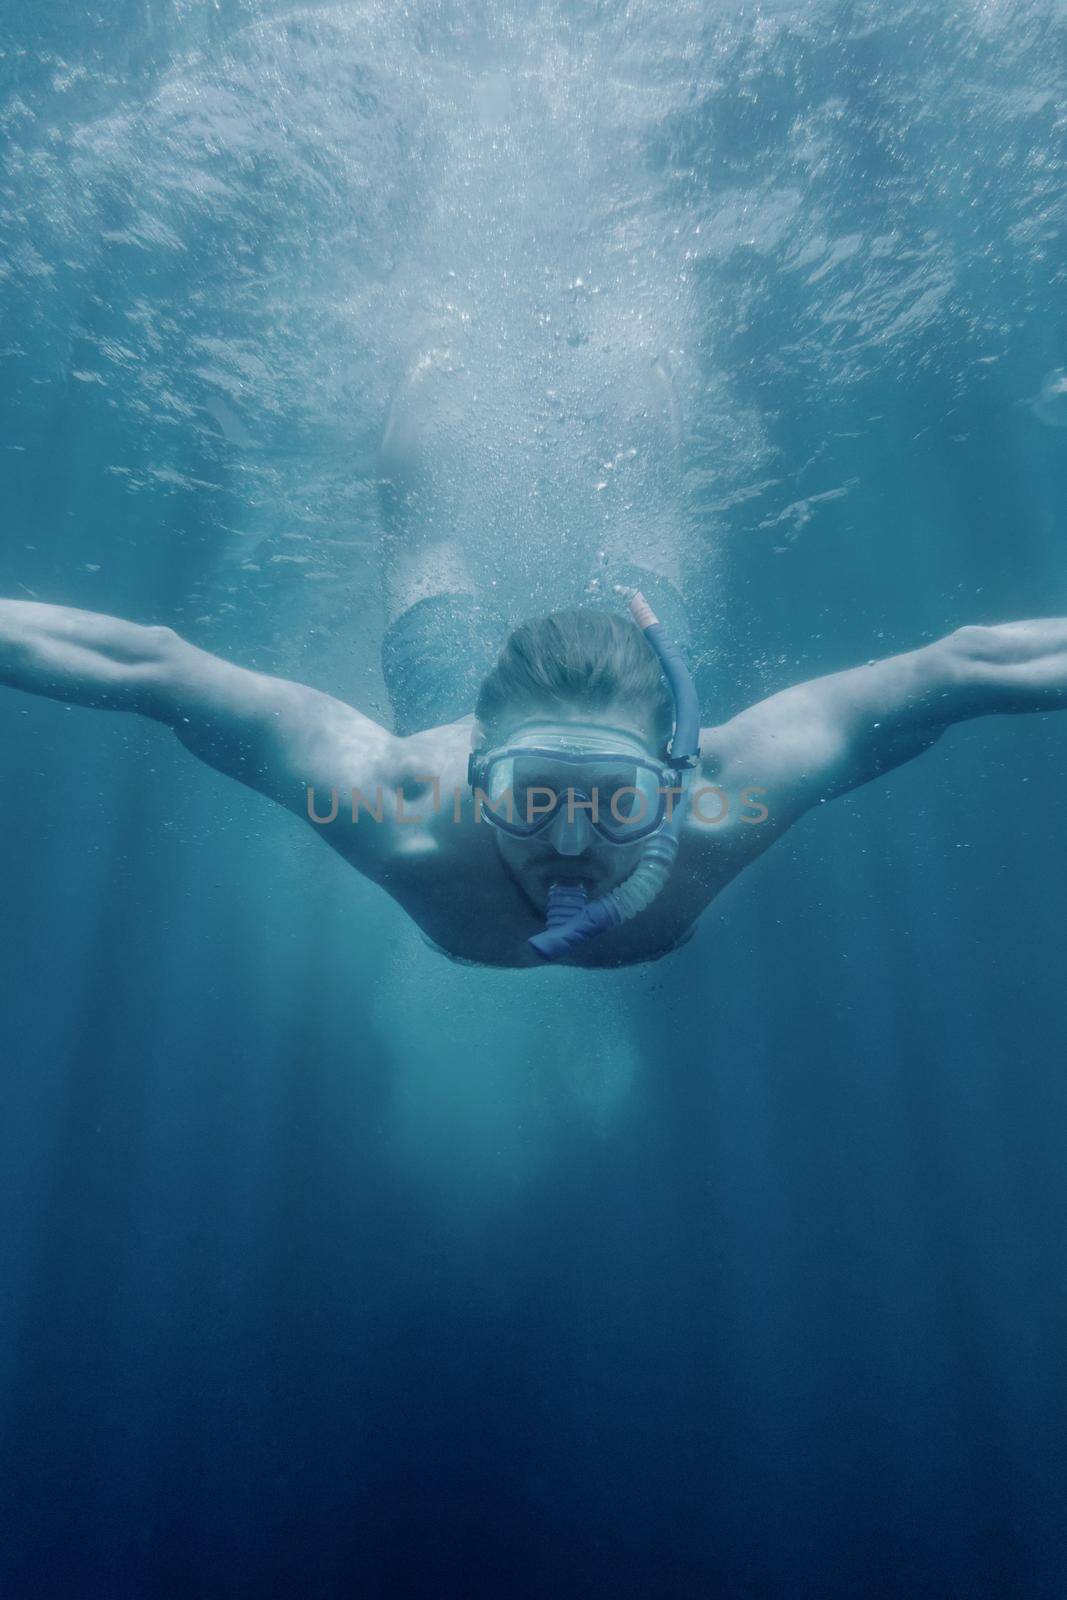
{"points": [[600, 465]]}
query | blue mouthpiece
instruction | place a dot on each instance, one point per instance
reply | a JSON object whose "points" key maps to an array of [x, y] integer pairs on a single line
{"points": [[572, 919]]}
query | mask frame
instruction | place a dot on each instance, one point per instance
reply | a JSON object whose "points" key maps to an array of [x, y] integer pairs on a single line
{"points": [[612, 830]]}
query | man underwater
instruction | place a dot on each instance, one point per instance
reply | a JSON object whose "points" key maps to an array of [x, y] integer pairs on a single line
{"points": [[530, 774], [581, 697]]}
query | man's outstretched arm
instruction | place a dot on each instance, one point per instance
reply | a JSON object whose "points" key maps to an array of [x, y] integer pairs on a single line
{"points": [[820, 739], [275, 736]]}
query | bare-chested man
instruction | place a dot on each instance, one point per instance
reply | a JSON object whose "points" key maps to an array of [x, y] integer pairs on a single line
{"points": [[580, 683], [577, 680]]}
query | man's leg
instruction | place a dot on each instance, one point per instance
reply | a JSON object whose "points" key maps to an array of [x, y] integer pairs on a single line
{"points": [[422, 557], [441, 640], [644, 549]]}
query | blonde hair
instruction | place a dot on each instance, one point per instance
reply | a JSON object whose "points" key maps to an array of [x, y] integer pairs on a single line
{"points": [[576, 660]]}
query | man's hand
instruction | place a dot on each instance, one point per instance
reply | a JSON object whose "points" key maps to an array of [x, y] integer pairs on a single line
{"points": [[820, 739], [1010, 667], [80, 657], [275, 736]]}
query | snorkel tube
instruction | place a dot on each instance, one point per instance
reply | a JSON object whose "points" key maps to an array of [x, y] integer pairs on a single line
{"points": [[571, 920]]}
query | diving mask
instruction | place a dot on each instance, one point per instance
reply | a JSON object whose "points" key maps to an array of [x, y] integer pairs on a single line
{"points": [[602, 775]]}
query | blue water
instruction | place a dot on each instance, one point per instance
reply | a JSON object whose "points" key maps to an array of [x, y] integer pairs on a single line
{"points": [[329, 1268]]}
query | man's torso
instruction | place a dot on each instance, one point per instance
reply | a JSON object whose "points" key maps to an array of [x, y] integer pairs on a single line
{"points": [[439, 861]]}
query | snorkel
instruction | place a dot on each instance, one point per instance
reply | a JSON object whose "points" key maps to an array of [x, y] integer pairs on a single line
{"points": [[571, 918]]}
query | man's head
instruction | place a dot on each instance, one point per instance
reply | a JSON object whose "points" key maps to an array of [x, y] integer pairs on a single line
{"points": [[580, 680], [589, 665]]}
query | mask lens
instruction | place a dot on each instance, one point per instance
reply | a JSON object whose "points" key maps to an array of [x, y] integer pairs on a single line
{"points": [[525, 790], [630, 804], [540, 786], [522, 792]]}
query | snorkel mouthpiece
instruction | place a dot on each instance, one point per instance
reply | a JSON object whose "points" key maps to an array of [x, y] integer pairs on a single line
{"points": [[571, 919], [565, 902], [567, 930]]}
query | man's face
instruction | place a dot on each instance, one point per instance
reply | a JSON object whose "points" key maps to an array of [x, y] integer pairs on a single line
{"points": [[569, 849]]}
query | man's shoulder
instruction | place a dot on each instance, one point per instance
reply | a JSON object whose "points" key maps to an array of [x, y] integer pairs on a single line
{"points": [[437, 753], [406, 822]]}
